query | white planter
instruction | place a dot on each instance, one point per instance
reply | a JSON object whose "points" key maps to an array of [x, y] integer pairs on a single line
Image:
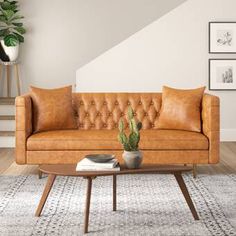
{"points": [[133, 159], [8, 53]]}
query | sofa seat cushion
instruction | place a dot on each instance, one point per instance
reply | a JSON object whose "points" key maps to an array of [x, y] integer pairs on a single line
{"points": [[107, 140]]}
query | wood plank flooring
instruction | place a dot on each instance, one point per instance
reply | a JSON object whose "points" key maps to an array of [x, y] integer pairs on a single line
{"points": [[227, 163]]}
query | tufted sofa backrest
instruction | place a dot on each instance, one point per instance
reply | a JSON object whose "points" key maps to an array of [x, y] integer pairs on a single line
{"points": [[104, 110]]}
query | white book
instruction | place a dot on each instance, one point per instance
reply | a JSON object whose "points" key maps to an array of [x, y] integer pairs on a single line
{"points": [[84, 168], [88, 163]]}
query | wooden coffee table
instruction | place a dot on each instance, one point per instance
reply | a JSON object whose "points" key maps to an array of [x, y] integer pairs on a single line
{"points": [[69, 170]]}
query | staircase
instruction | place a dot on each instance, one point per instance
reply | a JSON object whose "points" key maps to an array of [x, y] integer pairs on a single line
{"points": [[7, 122]]}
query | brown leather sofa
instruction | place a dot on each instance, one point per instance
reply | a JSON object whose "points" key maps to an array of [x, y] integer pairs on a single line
{"points": [[98, 115]]}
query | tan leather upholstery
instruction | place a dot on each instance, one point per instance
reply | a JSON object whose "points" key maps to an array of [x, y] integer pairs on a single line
{"points": [[23, 126], [181, 109], [211, 125], [103, 110], [52, 109], [107, 140], [150, 156], [97, 117]]}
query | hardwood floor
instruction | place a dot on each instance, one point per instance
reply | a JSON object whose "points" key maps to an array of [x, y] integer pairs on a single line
{"points": [[227, 162], [9, 167]]}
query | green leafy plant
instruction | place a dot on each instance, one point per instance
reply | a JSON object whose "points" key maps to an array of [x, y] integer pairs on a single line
{"points": [[130, 142], [11, 29]]}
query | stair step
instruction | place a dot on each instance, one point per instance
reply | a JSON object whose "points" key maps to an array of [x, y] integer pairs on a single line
{"points": [[7, 117], [7, 133], [7, 101], [7, 141], [7, 110], [7, 125]]}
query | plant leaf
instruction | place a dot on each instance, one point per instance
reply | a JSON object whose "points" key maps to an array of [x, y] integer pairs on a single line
{"points": [[17, 24], [133, 141], [20, 37], [139, 125], [130, 113], [8, 14], [134, 125], [3, 18], [11, 40], [16, 17], [20, 30], [6, 5], [13, 2], [3, 32], [121, 125]]}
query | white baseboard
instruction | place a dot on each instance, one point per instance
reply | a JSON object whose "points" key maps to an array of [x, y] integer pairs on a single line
{"points": [[227, 135]]}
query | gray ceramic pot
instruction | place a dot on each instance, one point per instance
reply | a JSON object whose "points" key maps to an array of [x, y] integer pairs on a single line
{"points": [[133, 159]]}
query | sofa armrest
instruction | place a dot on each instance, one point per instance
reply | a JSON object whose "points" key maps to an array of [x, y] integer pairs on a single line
{"points": [[23, 126], [211, 125]]}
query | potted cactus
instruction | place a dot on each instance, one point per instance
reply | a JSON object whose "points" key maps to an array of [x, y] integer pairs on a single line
{"points": [[132, 155]]}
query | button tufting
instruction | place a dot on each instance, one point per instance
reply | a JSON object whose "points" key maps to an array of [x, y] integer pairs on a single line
{"points": [[135, 114], [151, 103], [116, 125], [140, 103], [116, 103], [92, 125], [87, 114], [110, 114], [128, 103], [92, 103], [104, 103], [146, 114], [122, 114], [98, 114], [81, 103], [104, 125], [153, 125]]}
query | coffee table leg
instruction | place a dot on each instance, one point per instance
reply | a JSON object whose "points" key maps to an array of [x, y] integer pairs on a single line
{"points": [[114, 192], [47, 189], [87, 206], [40, 173], [185, 192]]}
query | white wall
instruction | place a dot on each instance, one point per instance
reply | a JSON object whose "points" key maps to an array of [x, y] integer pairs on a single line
{"points": [[171, 51], [65, 35]]}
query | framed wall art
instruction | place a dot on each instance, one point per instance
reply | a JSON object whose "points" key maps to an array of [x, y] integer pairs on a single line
{"points": [[222, 37], [222, 74]]}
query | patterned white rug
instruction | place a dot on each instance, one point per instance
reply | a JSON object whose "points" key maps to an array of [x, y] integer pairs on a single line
{"points": [[147, 205]]}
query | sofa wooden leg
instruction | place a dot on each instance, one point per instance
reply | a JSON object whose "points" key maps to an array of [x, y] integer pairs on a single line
{"points": [[194, 171], [40, 173]]}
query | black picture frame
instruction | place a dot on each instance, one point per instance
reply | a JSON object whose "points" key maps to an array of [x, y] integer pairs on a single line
{"points": [[209, 73], [209, 37]]}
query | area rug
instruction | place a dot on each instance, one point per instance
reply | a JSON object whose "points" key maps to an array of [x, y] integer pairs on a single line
{"points": [[147, 205]]}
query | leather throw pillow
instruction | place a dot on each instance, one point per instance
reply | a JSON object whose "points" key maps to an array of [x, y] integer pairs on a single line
{"points": [[52, 109], [181, 109]]}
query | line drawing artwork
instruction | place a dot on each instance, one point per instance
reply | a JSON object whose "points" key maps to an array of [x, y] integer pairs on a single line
{"points": [[225, 74], [224, 37]]}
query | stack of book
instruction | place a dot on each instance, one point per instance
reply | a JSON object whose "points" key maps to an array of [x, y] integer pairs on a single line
{"points": [[89, 165]]}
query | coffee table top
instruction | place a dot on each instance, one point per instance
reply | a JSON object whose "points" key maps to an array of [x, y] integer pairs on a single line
{"points": [[70, 170]]}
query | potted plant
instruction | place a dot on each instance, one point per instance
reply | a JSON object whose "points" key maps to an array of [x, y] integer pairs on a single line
{"points": [[132, 155], [11, 30]]}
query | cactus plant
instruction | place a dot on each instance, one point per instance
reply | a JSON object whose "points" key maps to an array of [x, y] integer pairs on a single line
{"points": [[130, 142]]}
